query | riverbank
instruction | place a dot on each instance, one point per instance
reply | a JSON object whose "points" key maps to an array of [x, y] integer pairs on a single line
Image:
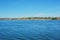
{"points": [[32, 18]]}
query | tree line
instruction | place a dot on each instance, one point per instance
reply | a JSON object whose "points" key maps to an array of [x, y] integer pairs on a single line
{"points": [[32, 18]]}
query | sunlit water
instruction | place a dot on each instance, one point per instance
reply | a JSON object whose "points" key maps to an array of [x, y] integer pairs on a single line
{"points": [[29, 29]]}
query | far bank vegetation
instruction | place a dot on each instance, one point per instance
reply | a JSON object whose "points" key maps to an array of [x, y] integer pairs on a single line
{"points": [[32, 18]]}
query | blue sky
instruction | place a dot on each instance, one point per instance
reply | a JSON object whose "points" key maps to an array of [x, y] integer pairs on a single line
{"points": [[29, 8]]}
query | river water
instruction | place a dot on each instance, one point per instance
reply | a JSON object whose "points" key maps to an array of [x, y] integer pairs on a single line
{"points": [[29, 29]]}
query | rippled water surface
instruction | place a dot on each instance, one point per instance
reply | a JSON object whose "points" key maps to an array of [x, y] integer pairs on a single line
{"points": [[29, 29]]}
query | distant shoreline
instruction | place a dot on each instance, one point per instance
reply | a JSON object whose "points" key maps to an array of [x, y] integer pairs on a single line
{"points": [[32, 18]]}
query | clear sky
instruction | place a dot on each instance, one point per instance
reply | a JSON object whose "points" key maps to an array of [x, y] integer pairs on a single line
{"points": [[29, 8]]}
